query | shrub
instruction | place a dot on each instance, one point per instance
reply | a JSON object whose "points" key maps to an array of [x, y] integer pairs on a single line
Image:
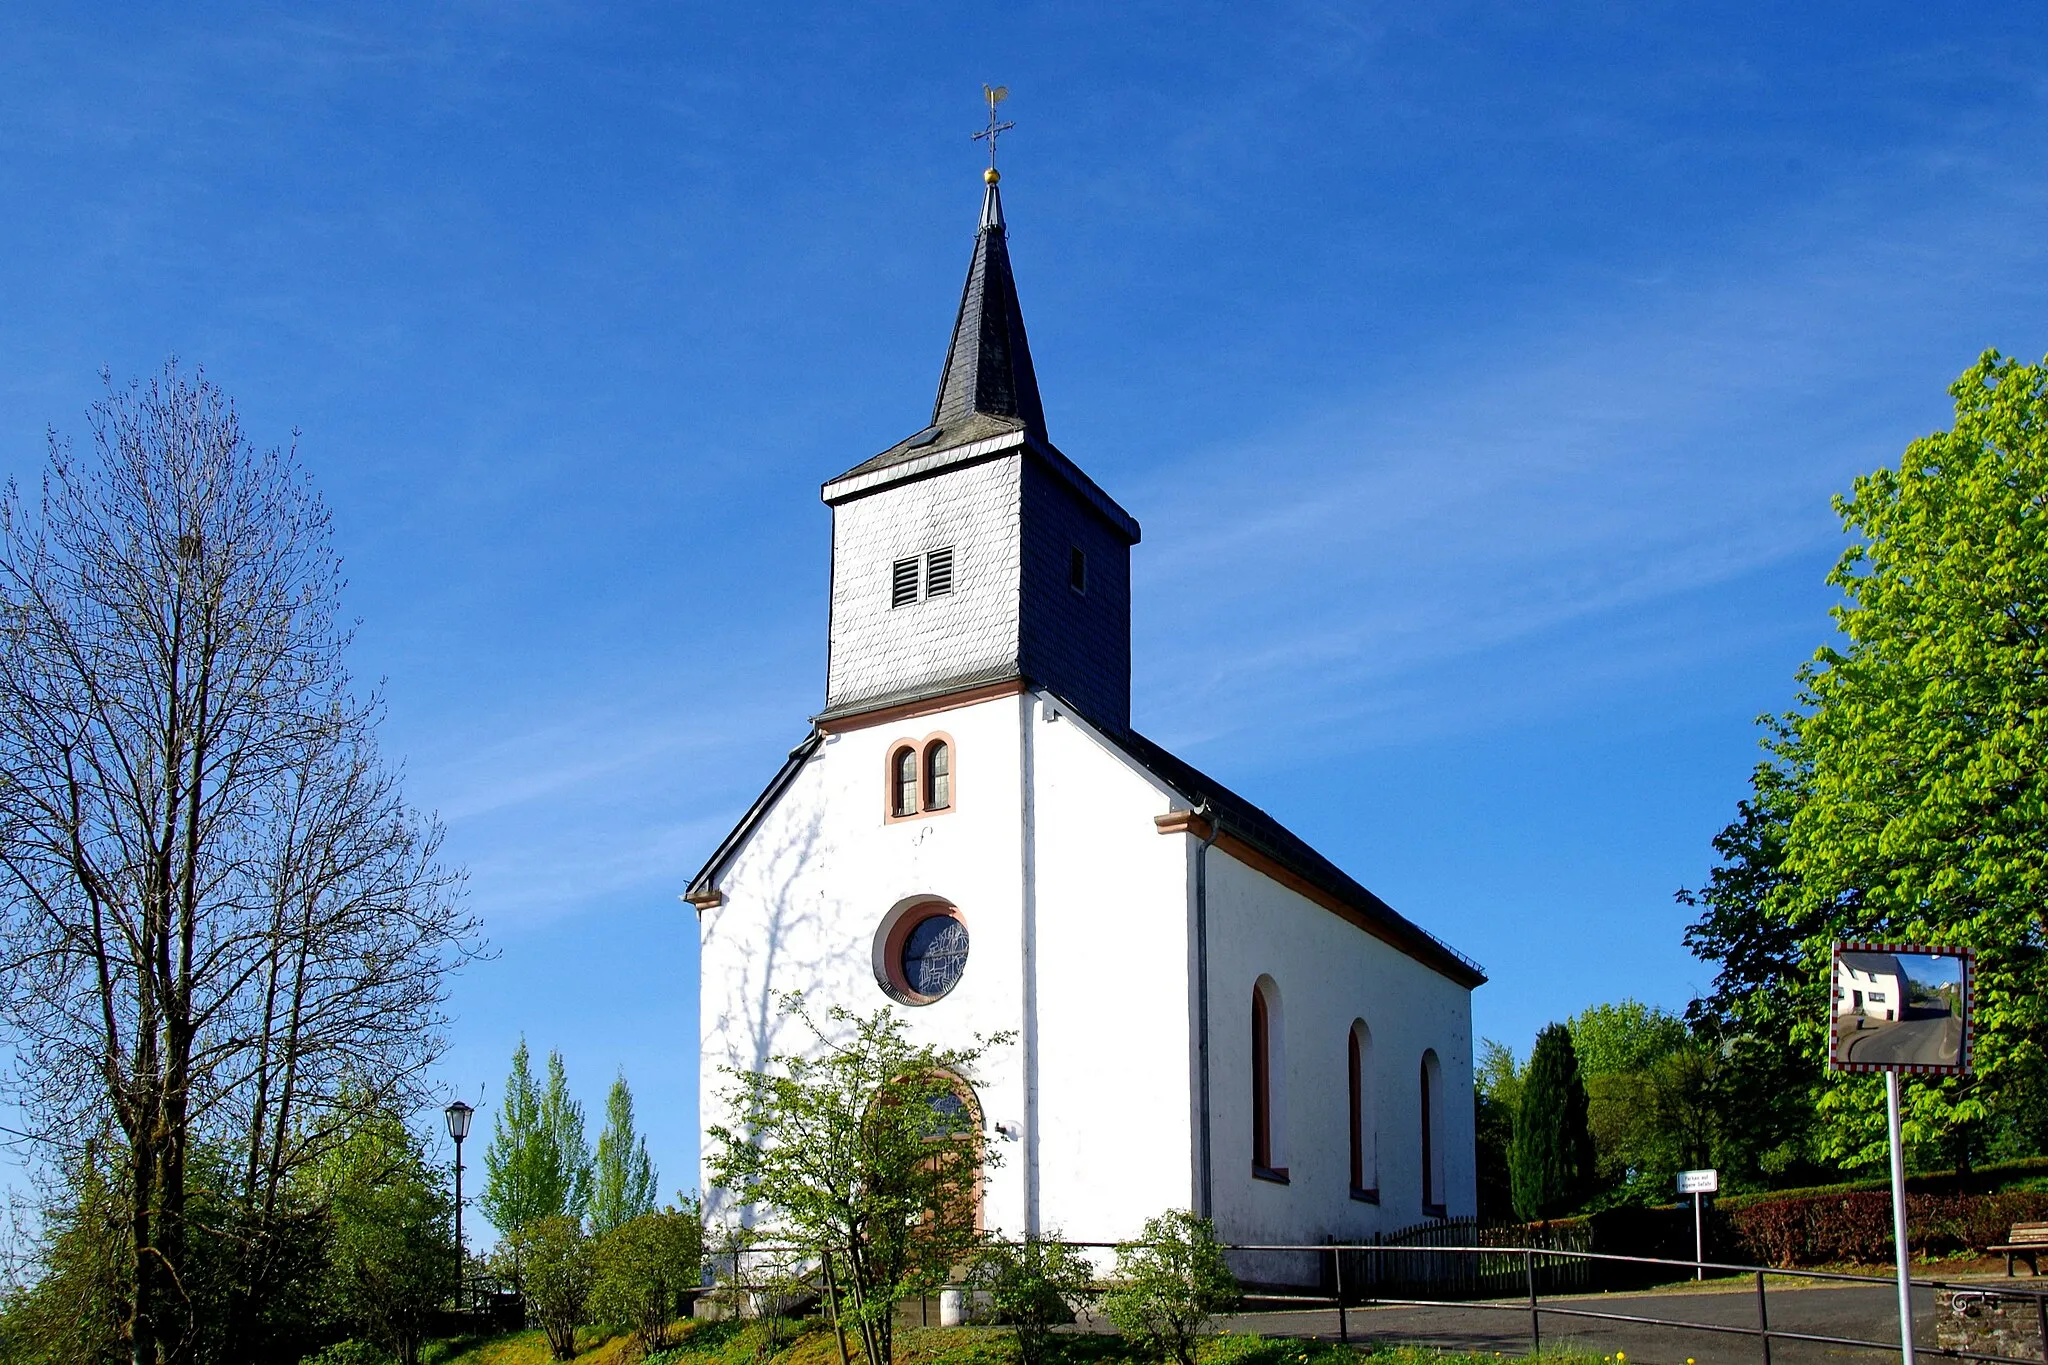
{"points": [[351, 1353], [1856, 1225], [555, 1261], [1169, 1283], [644, 1271], [1030, 1287]]}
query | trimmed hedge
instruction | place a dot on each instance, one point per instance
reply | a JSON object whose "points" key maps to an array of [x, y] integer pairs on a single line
{"points": [[1799, 1229], [1857, 1226]]}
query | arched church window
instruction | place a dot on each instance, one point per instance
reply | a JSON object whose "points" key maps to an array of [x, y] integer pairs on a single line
{"points": [[1432, 1136], [1365, 1175], [1268, 1069], [903, 782], [955, 1132], [938, 775]]}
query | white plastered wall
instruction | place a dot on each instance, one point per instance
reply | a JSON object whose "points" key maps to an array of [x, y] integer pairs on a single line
{"points": [[1329, 973], [1111, 1130], [1113, 1027], [804, 894]]}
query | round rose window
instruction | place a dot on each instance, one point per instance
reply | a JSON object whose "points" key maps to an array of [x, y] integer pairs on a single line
{"points": [[923, 951]]}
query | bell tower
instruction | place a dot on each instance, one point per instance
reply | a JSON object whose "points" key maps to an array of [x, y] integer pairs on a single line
{"points": [[973, 551]]}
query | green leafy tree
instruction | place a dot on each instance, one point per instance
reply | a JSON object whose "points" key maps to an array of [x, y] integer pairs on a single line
{"points": [[1032, 1287], [513, 1195], [1553, 1159], [1621, 1050], [1624, 1036], [1496, 1096], [1911, 778], [1170, 1283], [71, 1313], [1766, 1078], [557, 1272], [866, 1147], [622, 1186], [537, 1164], [565, 1148], [645, 1270], [1924, 732], [391, 1257]]}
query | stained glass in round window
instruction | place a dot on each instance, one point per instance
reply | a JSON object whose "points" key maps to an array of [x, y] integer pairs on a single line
{"points": [[934, 955]]}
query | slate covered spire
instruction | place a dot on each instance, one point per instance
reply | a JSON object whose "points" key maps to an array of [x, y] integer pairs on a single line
{"points": [[988, 366]]}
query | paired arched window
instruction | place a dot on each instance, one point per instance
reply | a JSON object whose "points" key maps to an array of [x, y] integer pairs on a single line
{"points": [[1365, 1138], [938, 775], [1432, 1136], [920, 777], [1269, 1072], [903, 783]]}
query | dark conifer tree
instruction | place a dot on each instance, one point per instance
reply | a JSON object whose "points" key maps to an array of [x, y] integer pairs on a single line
{"points": [[1552, 1158]]}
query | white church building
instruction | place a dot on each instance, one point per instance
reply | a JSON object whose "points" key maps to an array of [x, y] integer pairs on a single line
{"points": [[1208, 1013]]}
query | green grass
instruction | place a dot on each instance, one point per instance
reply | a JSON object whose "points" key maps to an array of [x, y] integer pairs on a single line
{"points": [[812, 1343]]}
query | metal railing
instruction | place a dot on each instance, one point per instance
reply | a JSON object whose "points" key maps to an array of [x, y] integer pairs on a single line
{"points": [[1531, 1301], [1349, 1277]]}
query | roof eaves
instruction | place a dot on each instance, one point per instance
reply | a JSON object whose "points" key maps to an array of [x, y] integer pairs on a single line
{"points": [[860, 481], [1124, 522], [1268, 837], [701, 884]]}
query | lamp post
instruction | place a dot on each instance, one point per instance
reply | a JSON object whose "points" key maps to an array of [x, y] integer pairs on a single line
{"points": [[458, 1115]]}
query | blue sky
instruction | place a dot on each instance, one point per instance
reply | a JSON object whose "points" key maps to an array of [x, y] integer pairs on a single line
{"points": [[1480, 374]]}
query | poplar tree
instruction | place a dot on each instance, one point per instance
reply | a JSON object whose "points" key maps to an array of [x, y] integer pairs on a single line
{"points": [[538, 1164], [1552, 1158], [622, 1186]]}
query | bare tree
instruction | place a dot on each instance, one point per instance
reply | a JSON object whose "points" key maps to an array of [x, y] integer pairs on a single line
{"points": [[220, 923]]}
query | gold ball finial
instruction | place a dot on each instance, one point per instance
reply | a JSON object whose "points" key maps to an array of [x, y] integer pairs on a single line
{"points": [[991, 175]]}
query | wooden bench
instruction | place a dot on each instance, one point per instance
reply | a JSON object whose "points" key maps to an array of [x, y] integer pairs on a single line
{"points": [[2024, 1242]]}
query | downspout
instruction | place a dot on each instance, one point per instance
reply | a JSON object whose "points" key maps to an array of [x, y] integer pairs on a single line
{"points": [[1206, 1203]]}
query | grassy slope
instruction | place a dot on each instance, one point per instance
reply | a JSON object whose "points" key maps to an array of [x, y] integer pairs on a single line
{"points": [[748, 1344]]}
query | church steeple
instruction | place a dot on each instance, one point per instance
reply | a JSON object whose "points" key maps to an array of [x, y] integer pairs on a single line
{"points": [[973, 553], [988, 365]]}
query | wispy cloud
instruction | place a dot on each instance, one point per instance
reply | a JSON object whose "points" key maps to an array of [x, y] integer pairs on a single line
{"points": [[1590, 463]]}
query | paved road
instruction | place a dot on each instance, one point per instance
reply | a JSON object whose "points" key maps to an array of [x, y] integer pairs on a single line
{"points": [[1936, 1041], [1865, 1311]]}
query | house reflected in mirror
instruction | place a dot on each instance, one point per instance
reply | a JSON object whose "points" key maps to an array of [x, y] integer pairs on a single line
{"points": [[1901, 1009]]}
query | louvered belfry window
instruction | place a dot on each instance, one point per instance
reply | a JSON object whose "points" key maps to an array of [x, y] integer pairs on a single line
{"points": [[903, 583], [938, 572]]}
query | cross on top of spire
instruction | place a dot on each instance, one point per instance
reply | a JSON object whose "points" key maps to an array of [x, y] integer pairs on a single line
{"points": [[996, 95]]}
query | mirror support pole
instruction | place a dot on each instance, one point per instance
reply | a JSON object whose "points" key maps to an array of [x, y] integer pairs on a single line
{"points": [[1891, 1105]]}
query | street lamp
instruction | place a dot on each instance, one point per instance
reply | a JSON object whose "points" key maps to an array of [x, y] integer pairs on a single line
{"points": [[458, 1115]]}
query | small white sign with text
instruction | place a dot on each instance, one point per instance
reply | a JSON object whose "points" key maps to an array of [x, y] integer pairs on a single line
{"points": [[1699, 1182]]}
